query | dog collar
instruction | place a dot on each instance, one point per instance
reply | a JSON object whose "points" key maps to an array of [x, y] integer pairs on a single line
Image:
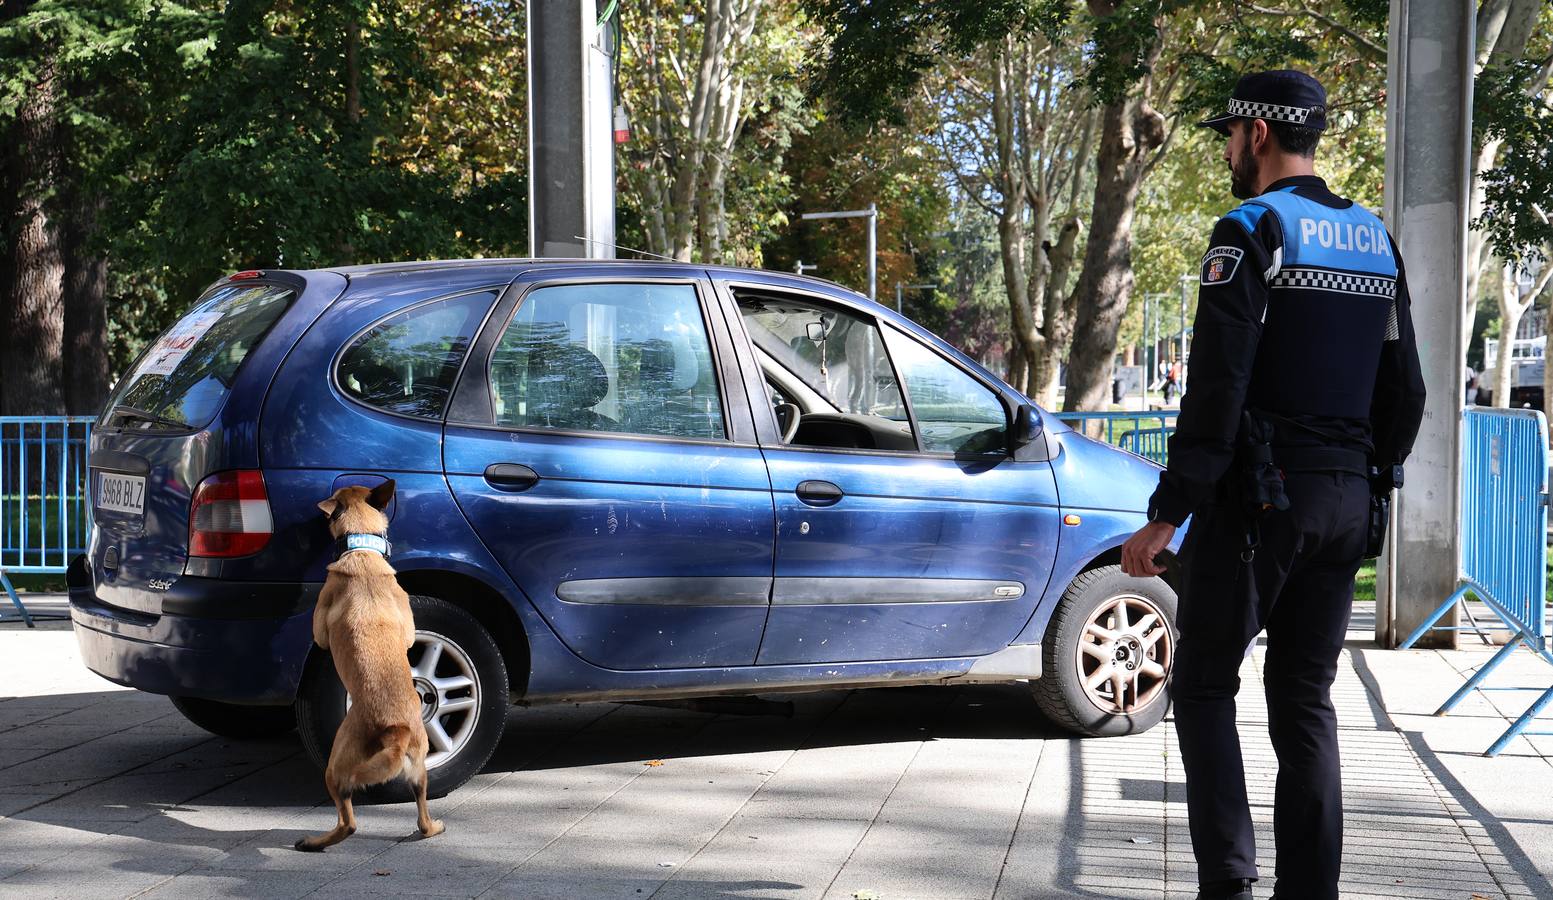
{"points": [[377, 543]]}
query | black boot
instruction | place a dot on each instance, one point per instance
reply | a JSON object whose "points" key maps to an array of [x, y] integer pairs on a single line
{"points": [[1233, 889]]}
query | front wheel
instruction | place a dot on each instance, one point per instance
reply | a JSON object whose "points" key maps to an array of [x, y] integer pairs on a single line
{"points": [[462, 681], [1106, 660]]}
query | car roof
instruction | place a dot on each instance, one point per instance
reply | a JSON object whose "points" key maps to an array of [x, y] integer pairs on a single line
{"points": [[518, 265]]}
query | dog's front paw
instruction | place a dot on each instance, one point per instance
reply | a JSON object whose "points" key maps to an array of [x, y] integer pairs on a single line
{"points": [[305, 847], [436, 828]]}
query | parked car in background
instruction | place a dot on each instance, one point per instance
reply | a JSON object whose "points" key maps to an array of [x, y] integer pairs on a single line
{"points": [[616, 481]]}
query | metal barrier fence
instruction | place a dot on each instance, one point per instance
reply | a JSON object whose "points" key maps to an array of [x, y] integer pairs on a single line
{"points": [[43, 496], [1504, 552], [1143, 433]]}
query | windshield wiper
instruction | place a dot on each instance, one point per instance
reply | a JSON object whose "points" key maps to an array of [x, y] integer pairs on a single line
{"points": [[145, 415]]}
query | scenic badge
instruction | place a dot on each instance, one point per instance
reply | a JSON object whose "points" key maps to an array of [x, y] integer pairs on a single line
{"points": [[1219, 263]]}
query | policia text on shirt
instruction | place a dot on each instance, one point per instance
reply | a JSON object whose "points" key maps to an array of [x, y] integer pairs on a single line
{"points": [[1305, 381]]}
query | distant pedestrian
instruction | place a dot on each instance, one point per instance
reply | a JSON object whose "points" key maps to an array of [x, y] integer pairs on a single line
{"points": [[1170, 384], [1472, 388]]}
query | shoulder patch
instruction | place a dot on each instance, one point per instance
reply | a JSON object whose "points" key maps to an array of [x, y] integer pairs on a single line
{"points": [[1219, 264]]}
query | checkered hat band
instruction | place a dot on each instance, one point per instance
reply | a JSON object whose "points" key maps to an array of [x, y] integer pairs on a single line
{"points": [[1252, 110], [1323, 280]]}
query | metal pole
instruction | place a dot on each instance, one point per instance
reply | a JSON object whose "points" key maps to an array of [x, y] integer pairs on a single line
{"points": [[873, 217], [1428, 179], [1181, 382], [873, 261], [910, 287], [571, 155]]}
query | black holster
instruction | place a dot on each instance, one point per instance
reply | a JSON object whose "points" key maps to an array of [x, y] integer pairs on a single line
{"points": [[1260, 481], [1383, 481]]}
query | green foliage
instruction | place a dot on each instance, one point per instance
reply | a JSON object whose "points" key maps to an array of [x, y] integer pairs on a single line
{"points": [[1505, 110], [238, 135], [1123, 43], [880, 49]]}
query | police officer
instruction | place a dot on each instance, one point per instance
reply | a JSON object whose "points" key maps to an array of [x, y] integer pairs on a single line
{"points": [[1305, 375]]}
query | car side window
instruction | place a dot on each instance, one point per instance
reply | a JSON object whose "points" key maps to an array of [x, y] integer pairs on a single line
{"points": [[837, 355], [629, 358], [407, 363], [955, 413]]}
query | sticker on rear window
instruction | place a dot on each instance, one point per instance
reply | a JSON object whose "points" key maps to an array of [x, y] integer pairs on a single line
{"points": [[175, 345]]}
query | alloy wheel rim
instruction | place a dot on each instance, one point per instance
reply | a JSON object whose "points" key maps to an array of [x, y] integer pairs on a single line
{"points": [[1124, 654], [444, 677]]}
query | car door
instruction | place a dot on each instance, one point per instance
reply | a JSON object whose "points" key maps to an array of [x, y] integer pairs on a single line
{"points": [[905, 528], [598, 457]]}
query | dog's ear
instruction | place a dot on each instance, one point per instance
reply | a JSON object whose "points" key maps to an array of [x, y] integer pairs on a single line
{"points": [[381, 495], [329, 506]]}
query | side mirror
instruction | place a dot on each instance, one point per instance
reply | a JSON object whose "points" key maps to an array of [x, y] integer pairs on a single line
{"points": [[1027, 432]]}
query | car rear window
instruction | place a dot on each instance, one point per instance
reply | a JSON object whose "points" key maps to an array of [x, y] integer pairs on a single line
{"points": [[407, 363], [186, 375]]}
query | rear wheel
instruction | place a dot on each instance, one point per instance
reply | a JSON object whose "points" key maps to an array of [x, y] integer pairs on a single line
{"points": [[1106, 660], [462, 681], [235, 720]]}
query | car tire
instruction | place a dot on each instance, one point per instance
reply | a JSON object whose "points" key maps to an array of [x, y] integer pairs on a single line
{"points": [[467, 671], [1084, 643], [237, 720]]}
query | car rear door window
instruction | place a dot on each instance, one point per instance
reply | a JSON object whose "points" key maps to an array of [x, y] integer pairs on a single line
{"points": [[627, 358], [954, 412], [407, 363]]}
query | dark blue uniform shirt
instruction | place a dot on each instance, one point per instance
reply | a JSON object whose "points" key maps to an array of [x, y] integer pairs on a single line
{"points": [[1313, 326]]}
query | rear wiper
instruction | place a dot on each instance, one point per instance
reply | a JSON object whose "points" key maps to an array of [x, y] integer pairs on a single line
{"points": [[145, 415]]}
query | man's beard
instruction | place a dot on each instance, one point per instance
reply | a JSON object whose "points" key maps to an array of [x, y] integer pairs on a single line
{"points": [[1242, 179]]}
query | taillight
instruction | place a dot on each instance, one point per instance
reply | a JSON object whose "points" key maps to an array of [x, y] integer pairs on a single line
{"points": [[230, 515]]}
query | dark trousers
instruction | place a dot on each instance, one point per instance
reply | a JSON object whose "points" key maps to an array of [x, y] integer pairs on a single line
{"points": [[1298, 585]]}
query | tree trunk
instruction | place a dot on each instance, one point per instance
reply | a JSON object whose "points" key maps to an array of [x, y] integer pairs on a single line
{"points": [[84, 361], [1059, 315], [1130, 132], [1510, 311], [31, 329]]}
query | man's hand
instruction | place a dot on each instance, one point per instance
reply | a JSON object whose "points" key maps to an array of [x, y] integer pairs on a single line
{"points": [[1139, 551]]}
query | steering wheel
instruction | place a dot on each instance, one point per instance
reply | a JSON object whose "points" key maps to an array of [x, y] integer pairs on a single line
{"points": [[787, 415]]}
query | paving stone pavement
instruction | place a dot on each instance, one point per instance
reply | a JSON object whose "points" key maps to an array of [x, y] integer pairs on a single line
{"points": [[902, 793]]}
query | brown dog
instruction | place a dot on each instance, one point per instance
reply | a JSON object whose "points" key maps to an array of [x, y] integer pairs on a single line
{"points": [[363, 618]]}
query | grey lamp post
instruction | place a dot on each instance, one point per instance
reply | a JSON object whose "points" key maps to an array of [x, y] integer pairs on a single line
{"points": [[899, 287], [873, 221]]}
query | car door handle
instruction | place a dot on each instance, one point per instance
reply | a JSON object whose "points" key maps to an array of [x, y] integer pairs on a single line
{"points": [[510, 477], [819, 493]]}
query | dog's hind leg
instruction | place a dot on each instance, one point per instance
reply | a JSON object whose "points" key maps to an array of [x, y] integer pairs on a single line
{"points": [[428, 826], [346, 825]]}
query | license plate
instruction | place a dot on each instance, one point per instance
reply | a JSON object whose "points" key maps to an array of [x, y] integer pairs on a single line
{"points": [[121, 493]]}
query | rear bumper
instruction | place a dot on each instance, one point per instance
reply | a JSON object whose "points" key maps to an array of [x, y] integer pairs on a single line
{"points": [[232, 641]]}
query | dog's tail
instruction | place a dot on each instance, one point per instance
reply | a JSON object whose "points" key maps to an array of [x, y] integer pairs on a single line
{"points": [[390, 756]]}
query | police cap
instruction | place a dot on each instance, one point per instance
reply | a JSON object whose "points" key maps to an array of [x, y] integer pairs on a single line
{"points": [[1284, 95]]}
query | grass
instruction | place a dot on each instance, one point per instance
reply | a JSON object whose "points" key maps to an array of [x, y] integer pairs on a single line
{"points": [[12, 524], [1364, 583]]}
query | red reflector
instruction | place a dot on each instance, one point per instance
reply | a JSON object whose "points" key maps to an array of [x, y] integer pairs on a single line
{"points": [[246, 273], [230, 515]]}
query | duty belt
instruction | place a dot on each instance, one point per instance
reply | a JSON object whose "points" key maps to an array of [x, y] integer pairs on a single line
{"points": [[1294, 458]]}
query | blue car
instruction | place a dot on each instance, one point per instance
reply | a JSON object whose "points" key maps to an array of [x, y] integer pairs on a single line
{"points": [[616, 481]]}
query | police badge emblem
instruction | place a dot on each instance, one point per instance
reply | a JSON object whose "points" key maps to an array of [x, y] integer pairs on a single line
{"points": [[1219, 264]]}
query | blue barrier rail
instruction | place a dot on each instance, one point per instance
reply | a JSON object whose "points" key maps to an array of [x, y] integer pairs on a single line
{"points": [[1145, 433], [1504, 552], [44, 515]]}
